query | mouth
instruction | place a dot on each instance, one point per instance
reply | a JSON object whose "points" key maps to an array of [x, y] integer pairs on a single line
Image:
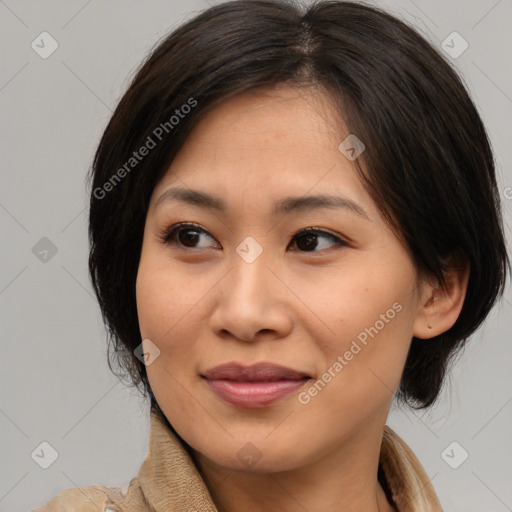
{"points": [[268, 372], [254, 386]]}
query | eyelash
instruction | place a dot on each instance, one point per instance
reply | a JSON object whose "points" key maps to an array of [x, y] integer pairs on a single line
{"points": [[167, 236]]}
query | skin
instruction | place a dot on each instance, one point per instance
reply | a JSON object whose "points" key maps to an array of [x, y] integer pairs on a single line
{"points": [[203, 305]]}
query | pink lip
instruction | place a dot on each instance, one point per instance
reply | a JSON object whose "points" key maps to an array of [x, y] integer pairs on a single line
{"points": [[253, 386], [253, 394]]}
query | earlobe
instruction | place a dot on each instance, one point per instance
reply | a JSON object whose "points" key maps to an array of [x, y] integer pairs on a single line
{"points": [[440, 306]]}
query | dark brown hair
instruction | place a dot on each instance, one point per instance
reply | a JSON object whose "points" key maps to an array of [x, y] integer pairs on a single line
{"points": [[428, 164]]}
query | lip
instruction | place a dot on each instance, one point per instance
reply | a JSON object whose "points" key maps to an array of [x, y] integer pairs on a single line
{"points": [[253, 386]]}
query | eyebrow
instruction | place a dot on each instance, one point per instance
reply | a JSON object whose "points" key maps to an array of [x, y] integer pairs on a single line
{"points": [[284, 206]]}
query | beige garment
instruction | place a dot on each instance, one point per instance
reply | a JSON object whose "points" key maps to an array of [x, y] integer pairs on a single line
{"points": [[168, 481]]}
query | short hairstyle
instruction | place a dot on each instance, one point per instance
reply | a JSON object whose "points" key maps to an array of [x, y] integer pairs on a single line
{"points": [[428, 162]]}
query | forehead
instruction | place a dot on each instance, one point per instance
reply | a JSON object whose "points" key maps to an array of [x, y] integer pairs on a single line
{"points": [[277, 116], [270, 142]]}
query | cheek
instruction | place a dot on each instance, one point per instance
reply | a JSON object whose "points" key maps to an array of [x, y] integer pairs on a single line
{"points": [[350, 301], [370, 317], [166, 307], [166, 299]]}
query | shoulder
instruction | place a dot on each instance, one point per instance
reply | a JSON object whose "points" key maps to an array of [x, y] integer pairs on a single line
{"points": [[83, 499]]}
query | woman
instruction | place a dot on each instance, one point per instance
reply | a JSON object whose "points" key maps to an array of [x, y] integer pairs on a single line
{"points": [[331, 174]]}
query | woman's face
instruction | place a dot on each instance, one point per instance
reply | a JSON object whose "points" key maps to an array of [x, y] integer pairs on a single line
{"points": [[340, 306]]}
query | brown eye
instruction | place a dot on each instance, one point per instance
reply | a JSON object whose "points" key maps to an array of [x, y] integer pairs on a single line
{"points": [[184, 234], [307, 240]]}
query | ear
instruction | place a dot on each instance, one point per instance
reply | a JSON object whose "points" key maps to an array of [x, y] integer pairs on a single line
{"points": [[439, 307]]}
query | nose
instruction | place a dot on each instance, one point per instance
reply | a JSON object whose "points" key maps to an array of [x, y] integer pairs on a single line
{"points": [[251, 301]]}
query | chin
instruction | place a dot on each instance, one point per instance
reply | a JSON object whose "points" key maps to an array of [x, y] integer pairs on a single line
{"points": [[254, 456]]}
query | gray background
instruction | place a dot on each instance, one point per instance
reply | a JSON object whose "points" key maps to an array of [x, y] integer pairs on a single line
{"points": [[55, 383]]}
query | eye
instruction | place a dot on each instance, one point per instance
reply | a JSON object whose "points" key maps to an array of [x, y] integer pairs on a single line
{"points": [[310, 236], [185, 235]]}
